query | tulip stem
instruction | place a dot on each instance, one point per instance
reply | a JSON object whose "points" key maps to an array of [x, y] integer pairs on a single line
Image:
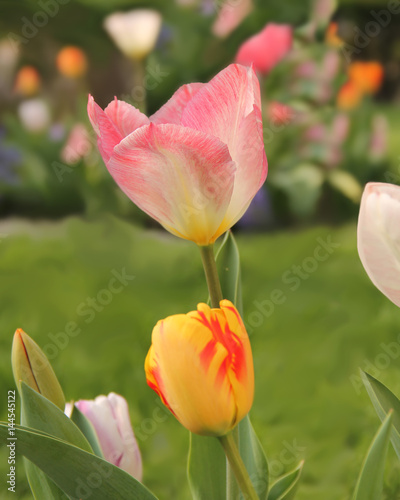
{"points": [[242, 477], [211, 272]]}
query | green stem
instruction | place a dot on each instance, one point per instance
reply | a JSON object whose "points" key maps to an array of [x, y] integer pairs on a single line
{"points": [[232, 487], [139, 90], [238, 467], [210, 270]]}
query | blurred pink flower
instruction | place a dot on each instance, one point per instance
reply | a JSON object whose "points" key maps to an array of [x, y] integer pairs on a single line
{"points": [[230, 16], [109, 416], [330, 65], [378, 237], [316, 133], [267, 48], [340, 128], [78, 145], [307, 69], [196, 164], [280, 114], [379, 137]]}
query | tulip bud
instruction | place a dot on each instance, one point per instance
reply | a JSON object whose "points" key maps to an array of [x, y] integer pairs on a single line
{"points": [[135, 33], [109, 416], [31, 366], [201, 366]]}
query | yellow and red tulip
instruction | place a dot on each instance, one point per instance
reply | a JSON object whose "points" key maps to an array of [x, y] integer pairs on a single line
{"points": [[201, 366]]}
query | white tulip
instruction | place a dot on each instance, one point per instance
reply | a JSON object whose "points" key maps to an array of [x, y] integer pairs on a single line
{"points": [[379, 237], [135, 32], [109, 416]]}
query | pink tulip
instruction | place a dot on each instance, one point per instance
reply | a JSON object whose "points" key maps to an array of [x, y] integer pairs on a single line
{"points": [[379, 237], [230, 16], [109, 416], [78, 145], [267, 48], [196, 164]]}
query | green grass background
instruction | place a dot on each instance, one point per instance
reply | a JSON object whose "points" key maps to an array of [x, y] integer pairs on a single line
{"points": [[305, 352]]}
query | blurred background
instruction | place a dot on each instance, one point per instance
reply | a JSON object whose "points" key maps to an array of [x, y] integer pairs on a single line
{"points": [[330, 83]]}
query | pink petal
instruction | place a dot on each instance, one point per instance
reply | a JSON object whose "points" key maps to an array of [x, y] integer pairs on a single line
{"points": [[172, 110], [181, 177], [108, 136], [379, 237], [267, 48], [131, 460], [229, 108], [126, 118], [250, 155]]}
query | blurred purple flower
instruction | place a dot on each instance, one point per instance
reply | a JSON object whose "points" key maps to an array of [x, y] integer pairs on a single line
{"points": [[259, 214], [9, 159]]}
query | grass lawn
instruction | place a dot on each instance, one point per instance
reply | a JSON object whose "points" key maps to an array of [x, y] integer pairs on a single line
{"points": [[326, 322]]}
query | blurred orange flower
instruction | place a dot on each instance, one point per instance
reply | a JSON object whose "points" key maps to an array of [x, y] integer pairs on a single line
{"points": [[27, 81], [331, 36], [349, 96], [367, 76], [71, 62]]}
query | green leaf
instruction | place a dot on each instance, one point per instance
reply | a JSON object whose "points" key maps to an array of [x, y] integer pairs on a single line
{"points": [[370, 481], [251, 451], [228, 265], [286, 486], [384, 400], [206, 468], [41, 414], [253, 457], [40, 484], [78, 473], [87, 430]]}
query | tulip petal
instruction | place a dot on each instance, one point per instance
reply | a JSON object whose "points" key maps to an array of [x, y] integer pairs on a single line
{"points": [[378, 237], [172, 110], [131, 460], [181, 177], [125, 117], [229, 108], [108, 136]]}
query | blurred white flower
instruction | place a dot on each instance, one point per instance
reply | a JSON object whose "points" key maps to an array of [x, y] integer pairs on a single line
{"points": [[34, 114], [109, 416], [135, 32]]}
